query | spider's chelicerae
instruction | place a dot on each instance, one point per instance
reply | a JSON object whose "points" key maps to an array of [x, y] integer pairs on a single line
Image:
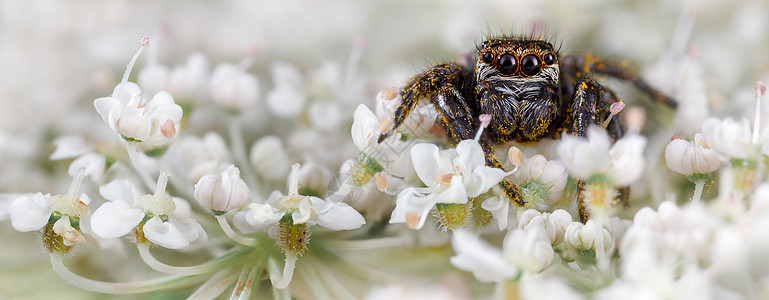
{"points": [[530, 91]]}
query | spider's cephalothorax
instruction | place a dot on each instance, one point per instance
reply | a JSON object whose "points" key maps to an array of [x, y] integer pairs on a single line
{"points": [[530, 91]]}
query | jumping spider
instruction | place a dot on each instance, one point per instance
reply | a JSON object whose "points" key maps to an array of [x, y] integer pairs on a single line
{"points": [[530, 91]]}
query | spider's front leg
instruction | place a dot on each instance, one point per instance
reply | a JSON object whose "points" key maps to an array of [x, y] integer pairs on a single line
{"points": [[590, 105], [442, 86]]}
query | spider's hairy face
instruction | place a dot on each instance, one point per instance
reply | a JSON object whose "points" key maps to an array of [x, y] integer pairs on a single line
{"points": [[517, 60], [517, 83]]}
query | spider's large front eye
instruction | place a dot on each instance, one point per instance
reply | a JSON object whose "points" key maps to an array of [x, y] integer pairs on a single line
{"points": [[487, 57], [530, 65], [507, 64]]}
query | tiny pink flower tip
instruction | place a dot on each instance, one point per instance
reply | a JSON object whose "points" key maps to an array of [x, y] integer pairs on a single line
{"points": [[760, 89], [616, 107], [693, 52], [679, 136], [144, 40], [360, 42], [485, 120], [252, 51]]}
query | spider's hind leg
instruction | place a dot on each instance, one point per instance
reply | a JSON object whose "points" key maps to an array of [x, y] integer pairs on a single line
{"points": [[575, 67]]}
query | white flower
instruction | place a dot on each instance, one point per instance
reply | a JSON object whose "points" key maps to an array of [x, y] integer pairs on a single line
{"points": [[537, 175], [153, 77], [153, 124], [622, 162], [522, 251], [728, 137], [485, 261], [287, 99], [583, 236], [32, 212], [302, 209], [197, 156], [689, 158], [554, 224], [392, 153], [126, 209], [451, 176], [270, 158], [222, 192], [188, 81], [233, 88]]}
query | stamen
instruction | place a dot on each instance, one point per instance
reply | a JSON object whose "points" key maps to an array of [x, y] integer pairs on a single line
{"points": [[485, 120], [74, 187], [614, 109], [760, 91], [160, 188], [144, 41], [293, 183]]}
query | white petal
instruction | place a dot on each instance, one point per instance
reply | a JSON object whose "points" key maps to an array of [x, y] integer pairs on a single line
{"points": [[337, 216], [115, 219], [120, 190], [482, 179], [173, 234], [675, 157], [364, 127], [456, 192], [470, 156], [426, 159], [627, 160], [30, 212], [257, 217], [127, 93], [93, 163], [499, 210], [474, 255], [163, 103], [109, 109], [408, 202], [69, 146]]}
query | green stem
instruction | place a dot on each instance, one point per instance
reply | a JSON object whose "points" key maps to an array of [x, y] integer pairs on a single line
{"points": [[135, 287], [214, 286], [246, 241], [207, 267], [698, 186]]}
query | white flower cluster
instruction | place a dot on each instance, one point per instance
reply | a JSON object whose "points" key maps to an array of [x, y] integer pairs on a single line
{"points": [[266, 168]]}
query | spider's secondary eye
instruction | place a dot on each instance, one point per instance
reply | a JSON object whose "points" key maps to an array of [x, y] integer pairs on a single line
{"points": [[487, 57], [549, 59], [507, 64], [530, 65]]}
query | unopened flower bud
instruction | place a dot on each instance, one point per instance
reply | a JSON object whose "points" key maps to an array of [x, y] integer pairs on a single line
{"points": [[689, 158], [222, 192]]}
